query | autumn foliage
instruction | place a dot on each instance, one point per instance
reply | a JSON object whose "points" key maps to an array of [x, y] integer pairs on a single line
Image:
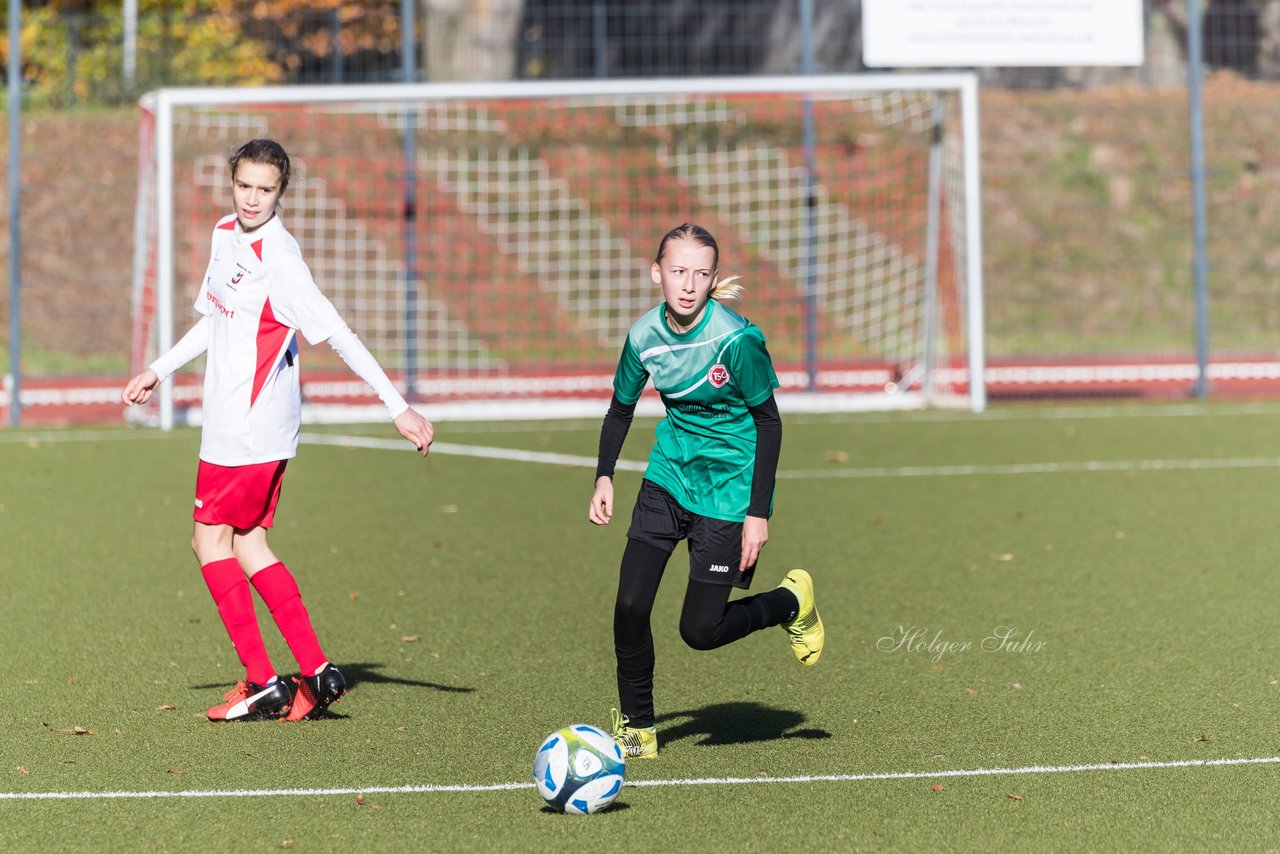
{"points": [[73, 52]]}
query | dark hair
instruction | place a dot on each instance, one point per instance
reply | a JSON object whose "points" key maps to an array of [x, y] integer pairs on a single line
{"points": [[724, 289], [265, 151], [690, 231]]}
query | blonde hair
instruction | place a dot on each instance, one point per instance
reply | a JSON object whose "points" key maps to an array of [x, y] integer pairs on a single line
{"points": [[724, 289], [727, 290]]}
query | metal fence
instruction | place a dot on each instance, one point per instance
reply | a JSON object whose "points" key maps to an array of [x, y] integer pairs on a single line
{"points": [[86, 57], [1087, 201]]}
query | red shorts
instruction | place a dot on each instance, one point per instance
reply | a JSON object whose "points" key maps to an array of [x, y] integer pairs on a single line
{"points": [[243, 497]]}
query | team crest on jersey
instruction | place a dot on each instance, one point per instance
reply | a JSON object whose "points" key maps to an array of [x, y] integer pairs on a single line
{"points": [[718, 375]]}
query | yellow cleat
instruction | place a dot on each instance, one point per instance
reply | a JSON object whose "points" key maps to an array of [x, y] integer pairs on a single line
{"points": [[805, 629], [636, 742]]}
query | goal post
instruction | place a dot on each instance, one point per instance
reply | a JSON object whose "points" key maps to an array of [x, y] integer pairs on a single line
{"points": [[491, 242]]}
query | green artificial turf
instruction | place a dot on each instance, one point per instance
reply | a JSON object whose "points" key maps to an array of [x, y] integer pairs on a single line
{"points": [[470, 604]]}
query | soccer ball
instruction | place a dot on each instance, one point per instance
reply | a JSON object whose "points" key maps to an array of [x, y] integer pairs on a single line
{"points": [[579, 769]]}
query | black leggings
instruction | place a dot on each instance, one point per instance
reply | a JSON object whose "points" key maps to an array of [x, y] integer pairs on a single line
{"points": [[708, 620]]}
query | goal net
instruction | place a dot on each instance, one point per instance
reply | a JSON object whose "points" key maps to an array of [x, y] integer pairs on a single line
{"points": [[491, 243]]}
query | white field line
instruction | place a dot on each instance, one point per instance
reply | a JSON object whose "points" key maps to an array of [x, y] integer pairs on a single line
{"points": [[1016, 413], [697, 781], [1037, 468], [519, 455], [38, 437], [806, 474], [1041, 412], [481, 451]]}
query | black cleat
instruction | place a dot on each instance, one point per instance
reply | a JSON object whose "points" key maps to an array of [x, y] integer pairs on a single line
{"points": [[316, 693]]}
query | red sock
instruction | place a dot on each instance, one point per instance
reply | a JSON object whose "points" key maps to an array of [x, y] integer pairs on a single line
{"points": [[230, 591], [277, 588]]}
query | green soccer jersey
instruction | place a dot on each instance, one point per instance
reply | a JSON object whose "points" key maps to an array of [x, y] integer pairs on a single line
{"points": [[708, 376]]}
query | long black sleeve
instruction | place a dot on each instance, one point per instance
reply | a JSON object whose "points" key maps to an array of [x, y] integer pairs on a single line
{"points": [[613, 432], [768, 448]]}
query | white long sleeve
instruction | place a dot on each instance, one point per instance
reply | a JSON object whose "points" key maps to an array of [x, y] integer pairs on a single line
{"points": [[193, 344], [348, 346]]}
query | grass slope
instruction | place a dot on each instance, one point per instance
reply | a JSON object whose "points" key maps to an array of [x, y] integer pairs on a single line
{"points": [[1086, 232]]}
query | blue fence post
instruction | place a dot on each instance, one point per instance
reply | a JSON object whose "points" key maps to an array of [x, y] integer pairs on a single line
{"points": [[1195, 75], [811, 214], [408, 26], [15, 212]]}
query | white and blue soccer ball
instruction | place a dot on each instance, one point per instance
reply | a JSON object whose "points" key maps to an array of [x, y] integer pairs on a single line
{"points": [[579, 769]]}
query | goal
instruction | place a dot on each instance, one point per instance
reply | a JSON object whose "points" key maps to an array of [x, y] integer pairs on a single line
{"points": [[491, 243]]}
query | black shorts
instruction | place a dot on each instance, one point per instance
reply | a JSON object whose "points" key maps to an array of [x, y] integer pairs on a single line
{"points": [[715, 546]]}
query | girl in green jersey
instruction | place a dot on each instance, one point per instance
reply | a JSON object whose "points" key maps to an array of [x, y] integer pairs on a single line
{"points": [[709, 480]]}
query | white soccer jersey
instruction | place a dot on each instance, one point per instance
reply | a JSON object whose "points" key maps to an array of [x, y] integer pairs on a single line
{"points": [[257, 294]]}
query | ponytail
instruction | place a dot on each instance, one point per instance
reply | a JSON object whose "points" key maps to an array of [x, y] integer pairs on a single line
{"points": [[727, 290]]}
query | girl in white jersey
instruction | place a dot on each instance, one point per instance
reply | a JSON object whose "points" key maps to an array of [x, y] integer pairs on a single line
{"points": [[709, 480], [256, 297]]}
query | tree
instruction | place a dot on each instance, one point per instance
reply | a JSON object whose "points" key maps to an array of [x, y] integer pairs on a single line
{"points": [[72, 50], [471, 39]]}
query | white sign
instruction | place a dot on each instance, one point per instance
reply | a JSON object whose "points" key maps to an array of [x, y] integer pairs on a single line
{"points": [[969, 33]]}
